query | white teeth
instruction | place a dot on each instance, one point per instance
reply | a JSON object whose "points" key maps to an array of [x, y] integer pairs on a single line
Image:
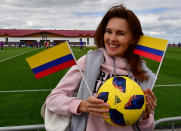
{"points": [[113, 46]]}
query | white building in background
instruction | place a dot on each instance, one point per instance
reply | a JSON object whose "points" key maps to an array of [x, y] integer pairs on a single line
{"points": [[12, 36]]}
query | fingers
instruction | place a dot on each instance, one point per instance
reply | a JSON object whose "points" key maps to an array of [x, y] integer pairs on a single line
{"points": [[103, 115], [94, 100], [97, 106], [150, 101], [98, 110], [149, 106], [152, 95]]}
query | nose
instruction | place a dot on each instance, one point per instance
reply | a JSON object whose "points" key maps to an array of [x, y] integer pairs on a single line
{"points": [[113, 37]]}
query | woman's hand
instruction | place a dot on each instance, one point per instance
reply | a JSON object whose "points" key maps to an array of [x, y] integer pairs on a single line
{"points": [[94, 106], [150, 103]]}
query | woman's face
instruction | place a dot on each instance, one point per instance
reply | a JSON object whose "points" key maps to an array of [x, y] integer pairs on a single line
{"points": [[117, 37]]}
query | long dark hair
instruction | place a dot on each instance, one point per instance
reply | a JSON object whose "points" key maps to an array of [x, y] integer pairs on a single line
{"points": [[134, 60]]}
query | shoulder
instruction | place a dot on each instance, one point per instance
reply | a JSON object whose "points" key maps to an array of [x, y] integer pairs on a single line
{"points": [[81, 62], [148, 83], [91, 56], [95, 56], [95, 52], [91, 53], [146, 68]]}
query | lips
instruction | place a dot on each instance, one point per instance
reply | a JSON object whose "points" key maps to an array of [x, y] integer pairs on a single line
{"points": [[114, 46]]}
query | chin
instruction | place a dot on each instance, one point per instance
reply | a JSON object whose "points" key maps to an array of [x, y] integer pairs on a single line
{"points": [[112, 53]]}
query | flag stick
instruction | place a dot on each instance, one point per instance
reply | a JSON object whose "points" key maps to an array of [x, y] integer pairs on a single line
{"points": [[87, 86], [159, 68]]}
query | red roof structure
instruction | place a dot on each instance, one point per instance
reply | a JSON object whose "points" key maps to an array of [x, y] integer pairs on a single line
{"points": [[62, 33]]}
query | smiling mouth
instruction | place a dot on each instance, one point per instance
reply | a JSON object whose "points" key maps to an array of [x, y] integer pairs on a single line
{"points": [[113, 46]]}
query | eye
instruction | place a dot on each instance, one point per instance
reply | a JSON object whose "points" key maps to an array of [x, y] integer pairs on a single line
{"points": [[121, 33], [108, 31]]}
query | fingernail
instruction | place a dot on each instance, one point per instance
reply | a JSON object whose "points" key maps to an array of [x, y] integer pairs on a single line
{"points": [[107, 104], [102, 101], [105, 117]]}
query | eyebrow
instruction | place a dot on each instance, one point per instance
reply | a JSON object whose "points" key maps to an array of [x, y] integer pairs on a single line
{"points": [[107, 28], [117, 30]]}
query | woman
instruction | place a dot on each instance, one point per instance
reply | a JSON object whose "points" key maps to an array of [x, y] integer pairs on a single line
{"points": [[116, 37]]}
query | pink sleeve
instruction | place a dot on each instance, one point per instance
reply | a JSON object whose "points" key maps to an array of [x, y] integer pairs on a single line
{"points": [[148, 124], [60, 100]]}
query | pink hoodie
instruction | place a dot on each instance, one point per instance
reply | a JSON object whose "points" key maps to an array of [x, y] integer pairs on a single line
{"points": [[61, 101]]}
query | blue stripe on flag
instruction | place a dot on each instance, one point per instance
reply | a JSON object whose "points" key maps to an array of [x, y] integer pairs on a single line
{"points": [[52, 63], [150, 50]]}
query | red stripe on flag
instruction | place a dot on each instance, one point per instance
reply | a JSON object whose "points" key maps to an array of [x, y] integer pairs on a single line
{"points": [[148, 55], [55, 69]]}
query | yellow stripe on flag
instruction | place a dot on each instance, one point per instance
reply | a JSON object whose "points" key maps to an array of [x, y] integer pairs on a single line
{"points": [[151, 42], [48, 55]]}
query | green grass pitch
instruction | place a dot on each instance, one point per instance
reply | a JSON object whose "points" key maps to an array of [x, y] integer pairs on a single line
{"points": [[23, 108]]}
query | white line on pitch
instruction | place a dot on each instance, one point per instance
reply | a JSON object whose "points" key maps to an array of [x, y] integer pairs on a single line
{"points": [[169, 85], [16, 55], [39, 90]]}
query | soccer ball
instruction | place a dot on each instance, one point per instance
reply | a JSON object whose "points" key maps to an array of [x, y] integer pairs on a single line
{"points": [[126, 100]]}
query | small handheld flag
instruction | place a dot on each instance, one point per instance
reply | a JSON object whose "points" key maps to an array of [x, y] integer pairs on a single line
{"points": [[51, 60], [152, 48]]}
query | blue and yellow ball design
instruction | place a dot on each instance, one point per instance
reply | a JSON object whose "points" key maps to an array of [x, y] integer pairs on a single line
{"points": [[126, 100]]}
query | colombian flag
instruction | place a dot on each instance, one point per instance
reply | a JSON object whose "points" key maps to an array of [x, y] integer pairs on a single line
{"points": [[152, 48], [51, 60]]}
